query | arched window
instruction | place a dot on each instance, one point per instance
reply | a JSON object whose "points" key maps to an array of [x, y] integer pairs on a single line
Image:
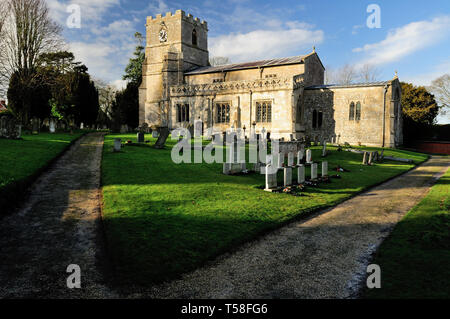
{"points": [[194, 37], [358, 111], [351, 115], [183, 112], [314, 119]]}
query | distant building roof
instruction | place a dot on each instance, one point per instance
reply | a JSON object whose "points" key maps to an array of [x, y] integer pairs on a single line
{"points": [[3, 106], [248, 65], [339, 86]]}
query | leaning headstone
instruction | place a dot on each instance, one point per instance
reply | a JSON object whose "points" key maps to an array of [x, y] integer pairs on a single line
{"points": [[162, 137], [117, 144], [308, 156], [290, 159], [365, 158], [371, 156], [314, 171], [301, 174], [140, 137], [324, 169], [324, 149], [287, 176]]}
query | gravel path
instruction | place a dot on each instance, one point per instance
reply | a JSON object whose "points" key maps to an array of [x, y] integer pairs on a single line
{"points": [[56, 227], [323, 257]]}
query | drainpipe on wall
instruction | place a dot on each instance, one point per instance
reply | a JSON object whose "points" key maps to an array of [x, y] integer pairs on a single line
{"points": [[251, 106], [384, 112]]}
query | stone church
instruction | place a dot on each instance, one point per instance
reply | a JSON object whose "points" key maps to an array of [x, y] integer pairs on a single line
{"points": [[286, 97]]}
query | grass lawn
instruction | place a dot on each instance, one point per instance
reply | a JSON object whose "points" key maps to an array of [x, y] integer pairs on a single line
{"points": [[415, 258], [21, 159], [163, 219]]}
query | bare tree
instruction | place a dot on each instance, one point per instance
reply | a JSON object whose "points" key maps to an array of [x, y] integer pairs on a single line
{"points": [[26, 33], [344, 75], [440, 87], [368, 73], [219, 60], [106, 96], [329, 75]]}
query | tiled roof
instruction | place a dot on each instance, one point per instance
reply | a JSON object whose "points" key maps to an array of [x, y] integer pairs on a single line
{"points": [[338, 86], [2, 106], [247, 65]]}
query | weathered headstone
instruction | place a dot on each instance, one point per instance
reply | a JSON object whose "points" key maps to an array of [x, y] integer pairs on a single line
{"points": [[155, 134], [227, 168], [290, 159], [271, 177], [324, 169], [9, 127], [300, 156], [163, 135], [314, 171], [140, 137], [301, 174], [365, 158], [35, 125], [324, 149], [308, 156], [52, 128], [82, 125], [198, 128], [287, 176], [280, 161], [117, 144], [371, 155]]}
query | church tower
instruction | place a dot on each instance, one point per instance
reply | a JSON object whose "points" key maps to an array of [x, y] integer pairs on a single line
{"points": [[175, 43]]}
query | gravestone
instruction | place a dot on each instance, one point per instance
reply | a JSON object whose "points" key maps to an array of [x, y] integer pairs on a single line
{"points": [[371, 155], [324, 149], [227, 168], [155, 134], [301, 174], [287, 176], [198, 128], [117, 144], [365, 158], [290, 159], [162, 137], [324, 169], [9, 127], [124, 129], [280, 160], [271, 178], [300, 156], [314, 171], [82, 125], [52, 127], [140, 137], [35, 126], [308, 156]]}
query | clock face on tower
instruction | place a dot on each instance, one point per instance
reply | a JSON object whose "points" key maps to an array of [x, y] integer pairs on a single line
{"points": [[163, 35]]}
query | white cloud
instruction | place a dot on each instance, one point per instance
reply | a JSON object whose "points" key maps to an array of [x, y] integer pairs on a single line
{"points": [[426, 78], [91, 10], [263, 44], [119, 84], [406, 40]]}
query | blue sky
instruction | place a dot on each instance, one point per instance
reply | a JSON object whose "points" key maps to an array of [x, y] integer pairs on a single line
{"points": [[414, 37]]}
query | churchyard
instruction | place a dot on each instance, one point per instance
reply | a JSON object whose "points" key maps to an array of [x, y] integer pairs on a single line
{"points": [[163, 219], [23, 159]]}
